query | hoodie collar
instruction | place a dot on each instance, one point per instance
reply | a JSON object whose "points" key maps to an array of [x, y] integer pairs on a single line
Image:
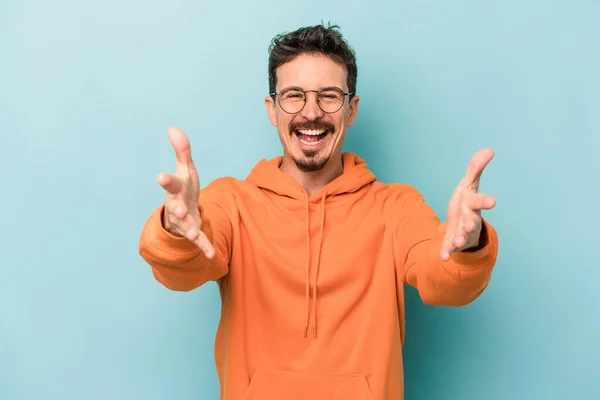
{"points": [[267, 175]]}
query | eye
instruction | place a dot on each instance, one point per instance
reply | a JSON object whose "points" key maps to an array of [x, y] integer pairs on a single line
{"points": [[330, 96], [293, 95]]}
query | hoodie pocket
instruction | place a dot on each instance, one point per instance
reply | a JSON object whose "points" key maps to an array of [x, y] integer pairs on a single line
{"points": [[271, 384]]}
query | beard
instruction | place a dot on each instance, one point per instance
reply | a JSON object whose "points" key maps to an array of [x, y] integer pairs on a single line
{"points": [[311, 161]]}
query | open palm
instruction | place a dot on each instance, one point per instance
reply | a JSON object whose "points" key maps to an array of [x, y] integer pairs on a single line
{"points": [[464, 222], [182, 216]]}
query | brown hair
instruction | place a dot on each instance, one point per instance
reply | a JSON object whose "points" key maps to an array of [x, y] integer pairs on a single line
{"points": [[316, 39]]}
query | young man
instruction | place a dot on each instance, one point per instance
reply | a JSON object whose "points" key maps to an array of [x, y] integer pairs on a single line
{"points": [[310, 252]]}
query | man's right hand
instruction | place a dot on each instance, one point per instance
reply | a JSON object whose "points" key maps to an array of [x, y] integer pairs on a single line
{"points": [[182, 215]]}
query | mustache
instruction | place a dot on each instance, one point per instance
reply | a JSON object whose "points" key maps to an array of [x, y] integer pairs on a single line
{"points": [[316, 124]]}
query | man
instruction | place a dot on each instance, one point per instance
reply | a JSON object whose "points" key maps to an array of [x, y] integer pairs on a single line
{"points": [[310, 252]]}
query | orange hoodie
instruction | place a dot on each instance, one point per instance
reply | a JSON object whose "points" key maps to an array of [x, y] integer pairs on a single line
{"points": [[312, 286]]}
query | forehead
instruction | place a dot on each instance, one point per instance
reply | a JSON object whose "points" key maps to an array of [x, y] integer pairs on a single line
{"points": [[310, 71]]}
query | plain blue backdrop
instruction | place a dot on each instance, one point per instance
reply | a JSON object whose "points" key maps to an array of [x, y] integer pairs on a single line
{"points": [[89, 89]]}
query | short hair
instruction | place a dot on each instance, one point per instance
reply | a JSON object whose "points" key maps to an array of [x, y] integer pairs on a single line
{"points": [[317, 39]]}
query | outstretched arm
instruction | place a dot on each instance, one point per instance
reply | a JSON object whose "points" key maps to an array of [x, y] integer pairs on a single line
{"points": [[448, 263], [186, 240]]}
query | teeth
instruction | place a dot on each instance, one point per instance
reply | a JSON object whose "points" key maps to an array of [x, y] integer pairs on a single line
{"points": [[311, 143], [311, 132]]}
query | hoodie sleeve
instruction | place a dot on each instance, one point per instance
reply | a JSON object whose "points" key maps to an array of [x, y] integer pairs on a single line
{"points": [[178, 263], [418, 240]]}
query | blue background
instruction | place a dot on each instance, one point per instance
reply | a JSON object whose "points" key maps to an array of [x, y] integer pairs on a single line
{"points": [[89, 89]]}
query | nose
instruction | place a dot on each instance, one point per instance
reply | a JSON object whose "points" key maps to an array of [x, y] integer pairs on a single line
{"points": [[311, 110]]}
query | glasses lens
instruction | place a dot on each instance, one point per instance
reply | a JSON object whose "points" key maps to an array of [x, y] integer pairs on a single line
{"points": [[331, 100], [291, 101]]}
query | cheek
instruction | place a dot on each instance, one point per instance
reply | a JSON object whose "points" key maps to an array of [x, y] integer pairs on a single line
{"points": [[283, 123], [341, 121], [284, 120]]}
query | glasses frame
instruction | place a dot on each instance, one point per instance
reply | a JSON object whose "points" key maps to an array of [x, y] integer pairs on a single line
{"points": [[344, 94]]}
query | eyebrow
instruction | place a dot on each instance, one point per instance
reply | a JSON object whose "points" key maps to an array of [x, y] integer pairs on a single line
{"points": [[299, 88], [291, 88]]}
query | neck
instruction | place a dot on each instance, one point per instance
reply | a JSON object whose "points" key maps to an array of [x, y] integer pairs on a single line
{"points": [[314, 181]]}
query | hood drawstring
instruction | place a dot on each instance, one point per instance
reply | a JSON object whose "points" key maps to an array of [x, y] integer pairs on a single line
{"points": [[307, 280], [318, 265], [314, 286]]}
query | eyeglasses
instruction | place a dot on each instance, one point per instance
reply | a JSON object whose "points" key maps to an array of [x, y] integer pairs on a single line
{"points": [[329, 99]]}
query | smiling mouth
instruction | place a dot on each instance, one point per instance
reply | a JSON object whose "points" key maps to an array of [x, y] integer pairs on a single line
{"points": [[311, 137]]}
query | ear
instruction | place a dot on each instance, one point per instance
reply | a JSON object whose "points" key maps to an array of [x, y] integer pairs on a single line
{"points": [[353, 110], [271, 110]]}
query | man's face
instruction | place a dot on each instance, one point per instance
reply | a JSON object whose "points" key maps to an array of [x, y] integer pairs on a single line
{"points": [[311, 136]]}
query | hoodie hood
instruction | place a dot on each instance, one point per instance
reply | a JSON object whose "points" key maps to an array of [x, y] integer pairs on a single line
{"points": [[356, 175]]}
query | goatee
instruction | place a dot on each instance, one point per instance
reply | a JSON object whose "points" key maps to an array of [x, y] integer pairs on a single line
{"points": [[310, 164]]}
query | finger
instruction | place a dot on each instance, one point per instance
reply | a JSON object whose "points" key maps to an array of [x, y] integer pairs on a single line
{"points": [[170, 183], [459, 240], [195, 234], [192, 230], [181, 211], [177, 226], [447, 246], [202, 241], [177, 212], [458, 235], [478, 201], [476, 166], [471, 220], [181, 145], [451, 227], [187, 228]]}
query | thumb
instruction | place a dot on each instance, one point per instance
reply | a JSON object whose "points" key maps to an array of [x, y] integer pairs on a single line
{"points": [[181, 145]]}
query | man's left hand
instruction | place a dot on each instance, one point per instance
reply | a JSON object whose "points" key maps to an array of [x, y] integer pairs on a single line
{"points": [[464, 209]]}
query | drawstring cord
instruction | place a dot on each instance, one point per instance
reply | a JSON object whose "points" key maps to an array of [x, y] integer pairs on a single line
{"points": [[307, 295], [314, 288], [314, 313]]}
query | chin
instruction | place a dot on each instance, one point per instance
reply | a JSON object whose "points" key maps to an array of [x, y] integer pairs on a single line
{"points": [[311, 164]]}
